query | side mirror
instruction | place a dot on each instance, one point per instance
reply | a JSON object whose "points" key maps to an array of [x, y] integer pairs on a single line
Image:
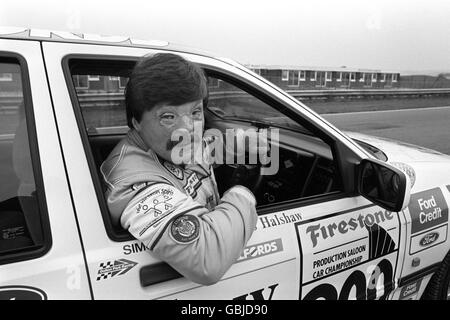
{"points": [[383, 184]]}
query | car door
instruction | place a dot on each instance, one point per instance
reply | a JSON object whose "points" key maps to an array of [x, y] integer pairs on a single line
{"points": [[348, 247], [40, 251], [119, 266]]}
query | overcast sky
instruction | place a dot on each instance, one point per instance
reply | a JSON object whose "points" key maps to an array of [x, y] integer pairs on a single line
{"points": [[380, 34]]}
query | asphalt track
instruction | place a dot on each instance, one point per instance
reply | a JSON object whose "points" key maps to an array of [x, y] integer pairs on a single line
{"points": [[428, 127]]}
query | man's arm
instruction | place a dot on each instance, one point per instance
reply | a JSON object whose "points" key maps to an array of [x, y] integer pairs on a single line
{"points": [[198, 243]]}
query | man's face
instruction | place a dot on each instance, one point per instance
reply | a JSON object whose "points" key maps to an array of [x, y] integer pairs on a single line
{"points": [[158, 124]]}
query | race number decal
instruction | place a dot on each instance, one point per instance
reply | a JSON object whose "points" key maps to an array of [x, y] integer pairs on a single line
{"points": [[348, 255]]}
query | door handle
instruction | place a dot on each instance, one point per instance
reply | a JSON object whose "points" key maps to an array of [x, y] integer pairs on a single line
{"points": [[157, 273]]}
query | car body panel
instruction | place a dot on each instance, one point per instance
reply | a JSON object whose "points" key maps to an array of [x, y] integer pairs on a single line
{"points": [[61, 272]]}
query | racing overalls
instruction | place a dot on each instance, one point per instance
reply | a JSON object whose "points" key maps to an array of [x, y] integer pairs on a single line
{"points": [[176, 211]]}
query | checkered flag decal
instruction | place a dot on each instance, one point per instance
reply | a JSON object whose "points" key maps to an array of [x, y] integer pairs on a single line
{"points": [[118, 267]]}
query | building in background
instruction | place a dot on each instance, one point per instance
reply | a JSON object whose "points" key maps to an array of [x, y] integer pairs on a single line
{"points": [[313, 78]]}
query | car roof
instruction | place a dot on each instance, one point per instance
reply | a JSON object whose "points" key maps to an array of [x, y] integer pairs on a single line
{"points": [[23, 33]]}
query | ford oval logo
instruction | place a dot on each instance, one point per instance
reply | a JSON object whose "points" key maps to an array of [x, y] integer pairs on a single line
{"points": [[429, 239], [21, 293]]}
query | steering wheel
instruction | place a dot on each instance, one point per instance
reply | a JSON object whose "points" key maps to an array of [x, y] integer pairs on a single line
{"points": [[249, 176]]}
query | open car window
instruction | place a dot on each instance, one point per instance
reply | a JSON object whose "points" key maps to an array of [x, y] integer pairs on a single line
{"points": [[229, 102], [306, 165]]}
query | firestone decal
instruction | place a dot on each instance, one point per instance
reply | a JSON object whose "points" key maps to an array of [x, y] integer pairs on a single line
{"points": [[349, 255], [318, 231]]}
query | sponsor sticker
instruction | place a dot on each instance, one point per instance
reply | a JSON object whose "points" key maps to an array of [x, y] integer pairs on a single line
{"points": [[21, 293], [192, 184], [348, 255], [409, 292], [185, 229], [261, 249], [278, 219], [427, 209], [173, 169], [428, 239], [135, 247], [114, 268]]}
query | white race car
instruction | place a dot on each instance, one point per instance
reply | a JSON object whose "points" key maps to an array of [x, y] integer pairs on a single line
{"points": [[343, 216]]}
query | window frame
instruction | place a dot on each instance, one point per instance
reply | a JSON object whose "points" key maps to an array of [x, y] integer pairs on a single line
{"points": [[362, 76], [283, 73], [339, 79], [344, 157], [29, 253], [93, 77], [120, 83], [300, 78], [383, 77], [293, 77], [110, 230], [311, 78], [394, 77], [326, 76], [215, 86], [352, 76], [87, 82], [374, 77], [6, 79]]}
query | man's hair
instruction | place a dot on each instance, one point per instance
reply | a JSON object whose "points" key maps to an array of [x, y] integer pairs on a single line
{"points": [[163, 78]]}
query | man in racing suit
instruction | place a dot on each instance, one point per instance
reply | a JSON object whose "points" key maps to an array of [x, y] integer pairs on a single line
{"points": [[175, 210]]}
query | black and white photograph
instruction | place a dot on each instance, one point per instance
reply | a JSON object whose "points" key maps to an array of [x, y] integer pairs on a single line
{"points": [[224, 153]]}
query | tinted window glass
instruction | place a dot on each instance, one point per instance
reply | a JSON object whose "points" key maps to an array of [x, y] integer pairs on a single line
{"points": [[20, 220]]}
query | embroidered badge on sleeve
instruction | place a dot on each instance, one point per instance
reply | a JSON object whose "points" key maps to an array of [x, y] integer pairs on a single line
{"points": [[185, 229], [157, 203], [173, 169]]}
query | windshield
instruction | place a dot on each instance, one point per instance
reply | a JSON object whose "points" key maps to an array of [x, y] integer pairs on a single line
{"points": [[238, 105]]}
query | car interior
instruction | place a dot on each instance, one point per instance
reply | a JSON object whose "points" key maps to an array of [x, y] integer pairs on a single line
{"points": [[306, 166]]}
